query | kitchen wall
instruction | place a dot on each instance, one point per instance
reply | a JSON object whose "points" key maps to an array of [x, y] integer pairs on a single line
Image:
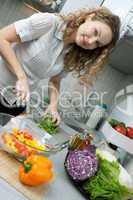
{"points": [[70, 5]]}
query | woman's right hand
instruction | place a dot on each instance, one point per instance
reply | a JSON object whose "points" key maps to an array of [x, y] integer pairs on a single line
{"points": [[53, 112], [22, 89]]}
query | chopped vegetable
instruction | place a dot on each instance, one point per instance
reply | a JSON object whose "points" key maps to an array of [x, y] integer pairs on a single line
{"points": [[21, 143], [81, 164], [46, 100], [114, 123], [105, 184], [121, 129], [15, 147], [25, 137], [47, 125], [130, 132]]}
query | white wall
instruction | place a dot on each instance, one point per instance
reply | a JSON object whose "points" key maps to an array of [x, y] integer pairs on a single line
{"points": [[119, 7], [72, 5]]}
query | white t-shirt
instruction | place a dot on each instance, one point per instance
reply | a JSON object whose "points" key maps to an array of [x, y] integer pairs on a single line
{"points": [[41, 52]]}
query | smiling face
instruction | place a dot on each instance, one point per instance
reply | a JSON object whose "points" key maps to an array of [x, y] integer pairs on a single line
{"points": [[92, 34]]}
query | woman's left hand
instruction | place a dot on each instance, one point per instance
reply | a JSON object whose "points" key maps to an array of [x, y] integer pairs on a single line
{"points": [[22, 88], [52, 111]]}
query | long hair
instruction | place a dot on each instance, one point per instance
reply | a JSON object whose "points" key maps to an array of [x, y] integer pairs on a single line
{"points": [[87, 63]]}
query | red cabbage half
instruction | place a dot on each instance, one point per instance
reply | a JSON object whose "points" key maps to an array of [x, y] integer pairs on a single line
{"points": [[81, 164]]}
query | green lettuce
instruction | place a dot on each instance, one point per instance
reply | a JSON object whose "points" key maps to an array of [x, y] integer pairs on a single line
{"points": [[105, 184], [47, 125]]}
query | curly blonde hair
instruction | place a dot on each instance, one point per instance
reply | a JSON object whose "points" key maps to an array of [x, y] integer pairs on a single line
{"points": [[87, 63]]}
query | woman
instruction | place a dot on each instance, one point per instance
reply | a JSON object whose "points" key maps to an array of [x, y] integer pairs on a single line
{"points": [[50, 45]]}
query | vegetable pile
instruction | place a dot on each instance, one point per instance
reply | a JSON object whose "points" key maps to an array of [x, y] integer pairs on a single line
{"points": [[120, 127], [21, 142], [47, 125], [105, 184], [97, 173], [25, 137]]}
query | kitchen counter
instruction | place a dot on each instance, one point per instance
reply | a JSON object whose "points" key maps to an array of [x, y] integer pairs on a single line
{"points": [[61, 188]]}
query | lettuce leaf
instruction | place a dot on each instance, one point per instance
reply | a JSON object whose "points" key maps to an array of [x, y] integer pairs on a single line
{"points": [[105, 184], [47, 125]]}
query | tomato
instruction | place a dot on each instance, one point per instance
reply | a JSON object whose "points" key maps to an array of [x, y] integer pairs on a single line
{"points": [[130, 132], [24, 153], [121, 129], [17, 145], [20, 147], [28, 136]]}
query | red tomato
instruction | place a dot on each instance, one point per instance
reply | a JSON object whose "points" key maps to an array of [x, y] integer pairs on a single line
{"points": [[20, 147], [17, 145], [25, 153], [130, 132], [28, 136], [121, 129], [17, 133]]}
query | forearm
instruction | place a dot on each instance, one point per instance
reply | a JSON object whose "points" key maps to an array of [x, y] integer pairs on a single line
{"points": [[7, 52], [54, 87]]}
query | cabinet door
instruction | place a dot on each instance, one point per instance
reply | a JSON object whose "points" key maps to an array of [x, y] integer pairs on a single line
{"points": [[122, 56]]}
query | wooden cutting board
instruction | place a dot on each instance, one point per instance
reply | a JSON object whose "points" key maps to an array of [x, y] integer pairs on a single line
{"points": [[9, 172]]}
